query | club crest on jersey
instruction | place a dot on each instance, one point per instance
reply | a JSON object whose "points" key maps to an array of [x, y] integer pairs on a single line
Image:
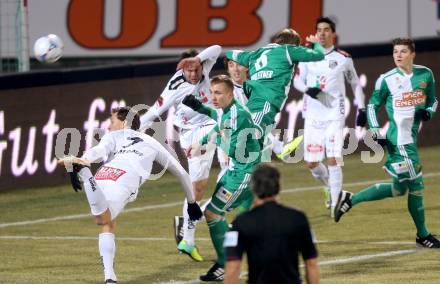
{"points": [[410, 99], [109, 173], [332, 64], [422, 84]]}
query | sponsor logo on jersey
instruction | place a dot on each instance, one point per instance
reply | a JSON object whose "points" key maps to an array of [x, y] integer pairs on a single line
{"points": [[411, 98], [109, 173], [262, 75], [400, 167], [223, 194], [314, 148]]}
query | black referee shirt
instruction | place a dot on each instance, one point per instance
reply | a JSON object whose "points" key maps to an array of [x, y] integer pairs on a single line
{"points": [[272, 236]]}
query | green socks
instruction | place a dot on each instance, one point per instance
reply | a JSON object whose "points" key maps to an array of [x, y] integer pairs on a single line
{"points": [[217, 230], [417, 211], [375, 192]]}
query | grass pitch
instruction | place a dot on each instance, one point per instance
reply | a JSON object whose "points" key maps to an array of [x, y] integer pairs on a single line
{"points": [[373, 243]]}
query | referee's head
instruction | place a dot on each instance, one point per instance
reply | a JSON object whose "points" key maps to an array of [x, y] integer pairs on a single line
{"points": [[265, 181]]}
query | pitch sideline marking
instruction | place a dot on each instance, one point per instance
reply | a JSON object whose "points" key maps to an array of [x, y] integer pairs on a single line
{"points": [[61, 238], [172, 204]]}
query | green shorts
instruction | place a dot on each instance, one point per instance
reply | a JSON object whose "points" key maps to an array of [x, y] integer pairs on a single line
{"points": [[231, 191], [263, 112], [411, 185], [403, 164]]}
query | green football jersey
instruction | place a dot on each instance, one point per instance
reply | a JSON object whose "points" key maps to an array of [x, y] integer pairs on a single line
{"points": [[402, 96], [237, 136], [272, 67]]}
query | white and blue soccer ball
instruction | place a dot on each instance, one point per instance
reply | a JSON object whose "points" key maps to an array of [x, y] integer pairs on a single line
{"points": [[49, 48]]}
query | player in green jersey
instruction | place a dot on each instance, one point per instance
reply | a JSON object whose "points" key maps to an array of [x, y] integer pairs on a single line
{"points": [[271, 69], [408, 93], [238, 137]]}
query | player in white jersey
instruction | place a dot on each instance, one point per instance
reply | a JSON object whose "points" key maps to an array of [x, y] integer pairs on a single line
{"points": [[324, 124], [192, 126], [130, 155]]}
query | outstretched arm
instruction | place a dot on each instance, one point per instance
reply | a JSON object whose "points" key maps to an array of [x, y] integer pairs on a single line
{"points": [[166, 160], [208, 55]]}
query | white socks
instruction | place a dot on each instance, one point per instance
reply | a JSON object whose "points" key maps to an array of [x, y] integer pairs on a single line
{"points": [[107, 249], [277, 146], [335, 183], [320, 173], [98, 203], [189, 227]]}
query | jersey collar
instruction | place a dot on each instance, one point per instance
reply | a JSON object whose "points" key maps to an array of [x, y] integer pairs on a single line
{"points": [[226, 109], [329, 50]]}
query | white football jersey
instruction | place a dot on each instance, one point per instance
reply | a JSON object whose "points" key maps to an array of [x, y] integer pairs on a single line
{"points": [[178, 88], [132, 152], [329, 75]]}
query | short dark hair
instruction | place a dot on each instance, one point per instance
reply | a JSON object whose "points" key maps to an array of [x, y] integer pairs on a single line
{"points": [[123, 112], [287, 36], [225, 79], [265, 181], [405, 41], [328, 21], [189, 53]]}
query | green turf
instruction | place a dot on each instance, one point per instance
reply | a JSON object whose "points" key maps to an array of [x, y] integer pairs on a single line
{"points": [[156, 261]]}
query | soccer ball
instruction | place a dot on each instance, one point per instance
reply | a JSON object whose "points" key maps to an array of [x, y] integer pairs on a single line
{"points": [[49, 48]]}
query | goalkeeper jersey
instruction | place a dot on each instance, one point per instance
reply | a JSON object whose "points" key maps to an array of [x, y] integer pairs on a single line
{"points": [[271, 67], [403, 95]]}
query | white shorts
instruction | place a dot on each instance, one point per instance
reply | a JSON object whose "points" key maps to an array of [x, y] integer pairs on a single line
{"points": [[118, 186], [320, 136], [198, 166]]}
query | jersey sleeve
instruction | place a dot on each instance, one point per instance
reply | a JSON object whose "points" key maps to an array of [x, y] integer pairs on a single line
{"points": [[300, 79], [173, 94], [239, 56], [353, 79], [104, 148], [214, 131], [234, 242], [209, 56], [431, 96], [378, 98], [308, 248], [212, 113], [166, 160], [304, 54]]}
